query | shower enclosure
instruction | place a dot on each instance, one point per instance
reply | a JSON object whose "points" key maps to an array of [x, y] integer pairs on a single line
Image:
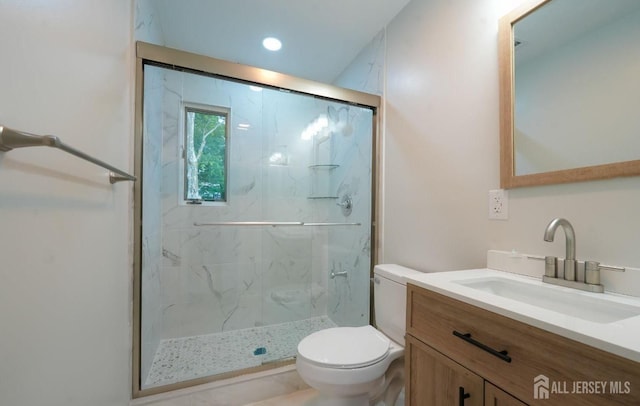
{"points": [[255, 216]]}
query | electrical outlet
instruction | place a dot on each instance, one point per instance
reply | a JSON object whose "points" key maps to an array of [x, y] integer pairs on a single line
{"points": [[498, 204]]}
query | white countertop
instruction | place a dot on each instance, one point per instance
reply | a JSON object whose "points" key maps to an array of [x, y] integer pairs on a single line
{"points": [[619, 337]]}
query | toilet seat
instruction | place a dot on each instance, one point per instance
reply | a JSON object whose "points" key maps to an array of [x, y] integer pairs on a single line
{"points": [[345, 347]]}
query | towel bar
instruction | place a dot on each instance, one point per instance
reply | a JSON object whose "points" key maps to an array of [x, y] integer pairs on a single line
{"points": [[10, 139]]}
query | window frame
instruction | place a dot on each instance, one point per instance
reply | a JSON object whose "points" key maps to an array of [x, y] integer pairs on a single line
{"points": [[187, 107]]}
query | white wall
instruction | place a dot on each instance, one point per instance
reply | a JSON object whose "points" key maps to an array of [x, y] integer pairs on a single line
{"points": [[65, 233], [441, 153], [441, 133]]}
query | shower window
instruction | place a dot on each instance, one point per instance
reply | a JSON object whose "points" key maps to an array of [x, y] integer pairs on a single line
{"points": [[205, 154]]}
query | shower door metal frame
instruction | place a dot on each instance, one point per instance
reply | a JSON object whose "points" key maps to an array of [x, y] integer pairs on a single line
{"points": [[149, 54]]}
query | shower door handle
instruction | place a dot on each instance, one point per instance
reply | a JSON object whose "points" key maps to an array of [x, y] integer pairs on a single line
{"points": [[333, 274]]}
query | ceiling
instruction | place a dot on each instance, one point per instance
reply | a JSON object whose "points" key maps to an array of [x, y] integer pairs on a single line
{"points": [[320, 37]]}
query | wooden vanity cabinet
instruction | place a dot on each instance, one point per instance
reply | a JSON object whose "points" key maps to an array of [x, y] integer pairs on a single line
{"points": [[437, 380], [498, 360], [494, 396]]}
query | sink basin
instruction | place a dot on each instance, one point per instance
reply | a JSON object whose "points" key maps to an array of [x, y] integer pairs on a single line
{"points": [[591, 307]]}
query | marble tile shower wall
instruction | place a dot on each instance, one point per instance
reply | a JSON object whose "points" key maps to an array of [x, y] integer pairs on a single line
{"points": [[200, 280], [152, 322], [350, 247]]}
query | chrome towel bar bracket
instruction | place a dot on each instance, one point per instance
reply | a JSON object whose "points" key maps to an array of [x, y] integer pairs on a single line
{"points": [[11, 139]]}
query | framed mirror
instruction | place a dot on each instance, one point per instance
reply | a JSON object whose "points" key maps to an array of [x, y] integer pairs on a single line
{"points": [[569, 91]]}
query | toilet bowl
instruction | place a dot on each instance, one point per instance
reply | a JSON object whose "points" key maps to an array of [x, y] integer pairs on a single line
{"points": [[348, 365]]}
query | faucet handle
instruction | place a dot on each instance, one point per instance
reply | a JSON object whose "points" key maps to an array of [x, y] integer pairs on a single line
{"points": [[551, 266], [592, 272]]}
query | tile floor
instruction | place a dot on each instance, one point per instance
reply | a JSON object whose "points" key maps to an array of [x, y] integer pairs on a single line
{"points": [[303, 398], [300, 398], [181, 359]]}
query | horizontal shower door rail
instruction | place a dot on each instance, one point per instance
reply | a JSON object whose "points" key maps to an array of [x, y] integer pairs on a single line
{"points": [[331, 224], [274, 224]]}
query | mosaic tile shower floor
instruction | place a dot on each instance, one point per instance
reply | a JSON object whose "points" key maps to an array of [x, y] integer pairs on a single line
{"points": [[181, 359]]}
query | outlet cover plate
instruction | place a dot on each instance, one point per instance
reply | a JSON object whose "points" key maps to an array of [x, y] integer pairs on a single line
{"points": [[498, 204]]}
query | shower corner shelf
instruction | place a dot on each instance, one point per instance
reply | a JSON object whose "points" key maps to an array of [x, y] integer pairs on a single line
{"points": [[321, 188], [324, 166]]}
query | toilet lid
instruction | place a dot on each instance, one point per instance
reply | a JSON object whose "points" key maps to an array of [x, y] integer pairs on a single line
{"points": [[345, 347]]}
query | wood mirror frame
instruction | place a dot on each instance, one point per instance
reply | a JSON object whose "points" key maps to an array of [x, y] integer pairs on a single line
{"points": [[508, 177]]}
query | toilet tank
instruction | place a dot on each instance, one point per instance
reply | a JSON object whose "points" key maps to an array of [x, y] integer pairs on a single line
{"points": [[390, 299]]}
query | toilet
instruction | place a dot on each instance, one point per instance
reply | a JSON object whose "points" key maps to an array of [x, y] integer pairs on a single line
{"points": [[350, 366]]}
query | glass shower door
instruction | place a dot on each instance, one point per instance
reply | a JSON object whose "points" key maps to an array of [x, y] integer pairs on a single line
{"points": [[237, 270], [288, 251]]}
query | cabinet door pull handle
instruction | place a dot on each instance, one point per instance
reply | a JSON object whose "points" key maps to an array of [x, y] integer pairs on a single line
{"points": [[503, 355], [462, 396]]}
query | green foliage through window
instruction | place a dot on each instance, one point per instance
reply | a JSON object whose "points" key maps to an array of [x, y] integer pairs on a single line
{"points": [[206, 155]]}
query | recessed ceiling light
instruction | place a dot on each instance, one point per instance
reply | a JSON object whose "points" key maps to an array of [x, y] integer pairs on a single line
{"points": [[272, 44]]}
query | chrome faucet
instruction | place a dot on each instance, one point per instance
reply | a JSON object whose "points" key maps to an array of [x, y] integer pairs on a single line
{"points": [[570, 236]]}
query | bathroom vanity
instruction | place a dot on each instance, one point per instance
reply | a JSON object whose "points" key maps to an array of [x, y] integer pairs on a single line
{"points": [[470, 347]]}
